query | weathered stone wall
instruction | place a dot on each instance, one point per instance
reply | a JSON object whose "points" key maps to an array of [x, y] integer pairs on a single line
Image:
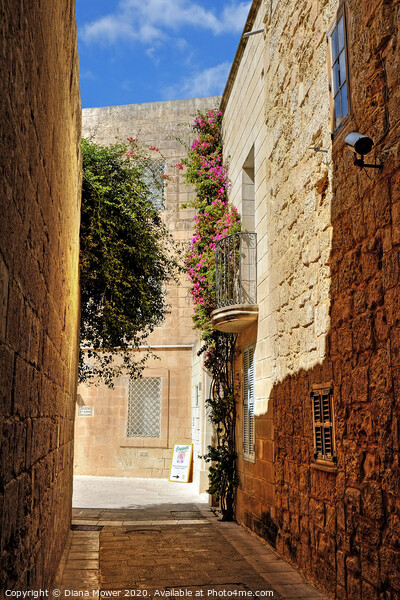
{"points": [[341, 527], [245, 139], [39, 300], [101, 444], [328, 284], [298, 182], [299, 233]]}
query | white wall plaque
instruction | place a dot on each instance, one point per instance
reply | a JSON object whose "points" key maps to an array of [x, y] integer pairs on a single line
{"points": [[85, 411]]}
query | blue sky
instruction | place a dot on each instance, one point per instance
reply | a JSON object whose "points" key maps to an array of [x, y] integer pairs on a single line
{"points": [[133, 51]]}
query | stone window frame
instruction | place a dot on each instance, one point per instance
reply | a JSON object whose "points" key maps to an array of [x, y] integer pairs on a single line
{"points": [[248, 429], [340, 16], [149, 442], [144, 407], [323, 420]]}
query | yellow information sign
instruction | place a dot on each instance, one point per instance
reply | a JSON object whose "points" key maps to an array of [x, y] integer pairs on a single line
{"points": [[181, 463]]}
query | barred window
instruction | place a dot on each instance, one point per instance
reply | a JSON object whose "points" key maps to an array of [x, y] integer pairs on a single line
{"points": [[153, 171], [248, 403], [323, 424], [144, 408], [339, 85]]}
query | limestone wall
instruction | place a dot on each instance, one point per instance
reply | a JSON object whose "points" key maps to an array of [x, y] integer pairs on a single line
{"points": [[339, 526], [277, 106], [39, 242], [245, 146], [297, 212], [102, 447], [98, 450], [328, 283]]}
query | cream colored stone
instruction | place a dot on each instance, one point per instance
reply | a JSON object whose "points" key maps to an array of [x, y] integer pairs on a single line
{"points": [[152, 124]]}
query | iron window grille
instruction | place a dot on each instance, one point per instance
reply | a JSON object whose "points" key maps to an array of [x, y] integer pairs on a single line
{"points": [[144, 408], [323, 424], [153, 170], [236, 269], [339, 84], [248, 403]]}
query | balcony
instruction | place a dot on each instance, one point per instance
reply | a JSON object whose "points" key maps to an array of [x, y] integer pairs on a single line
{"points": [[236, 283]]}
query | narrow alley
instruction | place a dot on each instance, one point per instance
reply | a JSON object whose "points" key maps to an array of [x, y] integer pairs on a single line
{"points": [[164, 540], [256, 284]]}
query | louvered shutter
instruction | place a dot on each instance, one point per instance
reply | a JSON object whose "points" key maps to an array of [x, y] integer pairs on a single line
{"points": [[248, 403], [322, 408]]}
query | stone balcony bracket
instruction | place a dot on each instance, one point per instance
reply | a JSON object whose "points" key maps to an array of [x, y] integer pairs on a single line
{"points": [[235, 318]]}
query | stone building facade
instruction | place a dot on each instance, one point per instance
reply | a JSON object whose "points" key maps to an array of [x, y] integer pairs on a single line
{"points": [[104, 444], [39, 295], [322, 488]]}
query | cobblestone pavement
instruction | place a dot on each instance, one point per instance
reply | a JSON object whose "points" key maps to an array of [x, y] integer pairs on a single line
{"points": [[179, 550]]}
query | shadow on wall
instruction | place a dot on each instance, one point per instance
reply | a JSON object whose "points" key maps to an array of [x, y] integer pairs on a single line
{"points": [[341, 526]]}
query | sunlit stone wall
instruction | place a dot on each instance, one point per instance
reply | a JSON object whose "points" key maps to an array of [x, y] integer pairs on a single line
{"points": [[102, 447], [39, 297]]}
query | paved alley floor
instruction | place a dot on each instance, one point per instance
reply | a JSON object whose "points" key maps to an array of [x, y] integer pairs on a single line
{"points": [[169, 545], [124, 492]]}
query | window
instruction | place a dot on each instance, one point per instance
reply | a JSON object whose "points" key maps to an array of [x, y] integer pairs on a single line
{"points": [[144, 408], [339, 85], [323, 423], [153, 171], [248, 193], [248, 403]]}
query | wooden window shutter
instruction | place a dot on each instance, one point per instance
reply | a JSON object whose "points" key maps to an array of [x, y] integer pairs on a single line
{"points": [[323, 424], [248, 403]]}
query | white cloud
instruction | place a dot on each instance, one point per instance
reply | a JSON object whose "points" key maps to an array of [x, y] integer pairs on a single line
{"points": [[209, 82], [150, 20], [234, 16], [113, 28]]}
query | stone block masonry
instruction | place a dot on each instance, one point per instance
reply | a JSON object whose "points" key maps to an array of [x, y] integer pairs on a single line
{"points": [[328, 289], [102, 444], [39, 295], [340, 527]]}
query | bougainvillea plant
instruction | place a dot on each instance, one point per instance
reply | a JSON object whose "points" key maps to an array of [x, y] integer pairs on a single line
{"points": [[215, 219]]}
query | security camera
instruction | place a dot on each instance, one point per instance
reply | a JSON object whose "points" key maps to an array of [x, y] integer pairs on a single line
{"points": [[361, 143]]}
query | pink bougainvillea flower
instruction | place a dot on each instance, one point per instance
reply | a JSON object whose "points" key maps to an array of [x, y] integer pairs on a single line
{"points": [[215, 216]]}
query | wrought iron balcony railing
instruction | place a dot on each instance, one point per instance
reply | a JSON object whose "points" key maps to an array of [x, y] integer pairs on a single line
{"points": [[236, 270]]}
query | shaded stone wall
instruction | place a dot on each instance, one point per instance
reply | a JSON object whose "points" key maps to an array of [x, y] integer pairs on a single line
{"points": [[342, 527], [328, 289], [39, 301], [102, 447], [278, 102]]}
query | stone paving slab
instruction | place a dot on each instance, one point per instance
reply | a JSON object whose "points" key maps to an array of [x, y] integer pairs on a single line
{"points": [[185, 557], [165, 555]]}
